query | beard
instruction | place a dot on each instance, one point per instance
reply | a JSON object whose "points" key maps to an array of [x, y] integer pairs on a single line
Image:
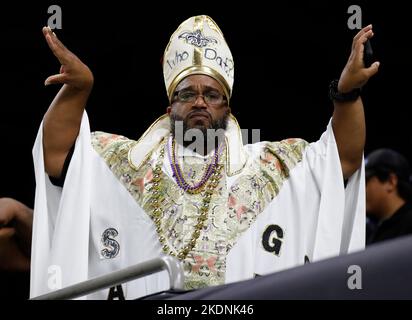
{"points": [[199, 137]]}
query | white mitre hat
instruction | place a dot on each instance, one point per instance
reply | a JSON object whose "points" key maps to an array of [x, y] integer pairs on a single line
{"points": [[198, 47]]}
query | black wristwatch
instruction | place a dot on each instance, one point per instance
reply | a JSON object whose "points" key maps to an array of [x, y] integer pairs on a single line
{"points": [[335, 95]]}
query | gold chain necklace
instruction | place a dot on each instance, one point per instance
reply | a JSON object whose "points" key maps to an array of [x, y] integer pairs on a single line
{"points": [[157, 199]]}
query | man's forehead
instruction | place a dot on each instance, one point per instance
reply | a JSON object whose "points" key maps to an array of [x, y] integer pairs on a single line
{"points": [[199, 81]]}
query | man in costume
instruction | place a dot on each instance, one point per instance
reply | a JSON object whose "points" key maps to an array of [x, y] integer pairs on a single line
{"points": [[229, 214]]}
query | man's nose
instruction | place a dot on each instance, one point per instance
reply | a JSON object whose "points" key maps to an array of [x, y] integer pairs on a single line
{"points": [[200, 102]]}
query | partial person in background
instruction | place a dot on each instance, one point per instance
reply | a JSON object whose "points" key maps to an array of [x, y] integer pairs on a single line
{"points": [[15, 244], [388, 196], [15, 235]]}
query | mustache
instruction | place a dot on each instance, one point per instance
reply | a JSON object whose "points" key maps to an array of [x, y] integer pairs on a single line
{"points": [[202, 113]]}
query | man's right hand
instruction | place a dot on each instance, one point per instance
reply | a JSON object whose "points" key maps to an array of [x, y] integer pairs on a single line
{"points": [[73, 71], [63, 118]]}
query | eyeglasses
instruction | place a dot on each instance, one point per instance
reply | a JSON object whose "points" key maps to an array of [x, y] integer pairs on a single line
{"points": [[210, 97]]}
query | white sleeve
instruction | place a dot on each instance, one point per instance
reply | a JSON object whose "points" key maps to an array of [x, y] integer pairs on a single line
{"points": [[52, 263], [339, 224]]}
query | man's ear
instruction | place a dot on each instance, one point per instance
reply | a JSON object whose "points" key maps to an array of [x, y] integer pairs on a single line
{"points": [[393, 181], [168, 110]]}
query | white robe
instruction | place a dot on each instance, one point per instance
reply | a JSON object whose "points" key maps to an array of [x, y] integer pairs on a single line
{"points": [[313, 215]]}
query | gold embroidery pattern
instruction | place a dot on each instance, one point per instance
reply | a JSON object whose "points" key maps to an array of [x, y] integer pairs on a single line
{"points": [[232, 210]]}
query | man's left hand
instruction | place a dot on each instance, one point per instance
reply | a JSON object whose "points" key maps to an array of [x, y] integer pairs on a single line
{"points": [[355, 75]]}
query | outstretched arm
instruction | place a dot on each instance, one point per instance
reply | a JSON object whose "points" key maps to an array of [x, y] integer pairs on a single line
{"points": [[63, 118], [348, 120]]}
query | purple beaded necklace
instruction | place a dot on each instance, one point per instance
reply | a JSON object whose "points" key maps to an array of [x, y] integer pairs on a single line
{"points": [[177, 171]]}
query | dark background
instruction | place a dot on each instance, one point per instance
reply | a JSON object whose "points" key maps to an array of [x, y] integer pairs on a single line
{"points": [[285, 56]]}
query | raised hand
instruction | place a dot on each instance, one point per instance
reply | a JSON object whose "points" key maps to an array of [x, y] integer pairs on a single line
{"points": [[73, 72], [355, 75]]}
